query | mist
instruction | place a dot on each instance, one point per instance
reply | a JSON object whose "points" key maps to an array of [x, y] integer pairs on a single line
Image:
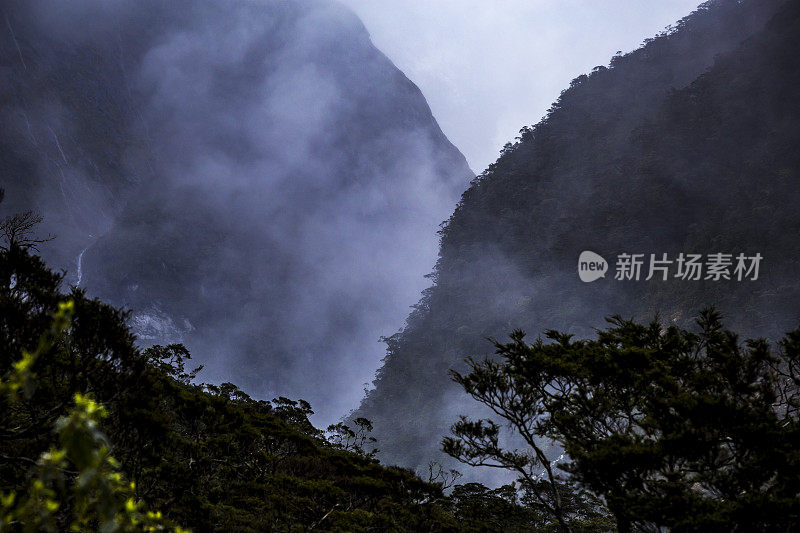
{"points": [[252, 179], [487, 69], [256, 179]]}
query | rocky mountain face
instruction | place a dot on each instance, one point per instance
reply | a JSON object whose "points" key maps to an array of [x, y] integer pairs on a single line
{"points": [[253, 179], [686, 145]]}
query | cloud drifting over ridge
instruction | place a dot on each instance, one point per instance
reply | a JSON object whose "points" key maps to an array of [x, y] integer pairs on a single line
{"points": [[277, 182]]}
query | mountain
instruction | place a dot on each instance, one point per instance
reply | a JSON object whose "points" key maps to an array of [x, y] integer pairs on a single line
{"points": [[686, 145], [253, 179]]}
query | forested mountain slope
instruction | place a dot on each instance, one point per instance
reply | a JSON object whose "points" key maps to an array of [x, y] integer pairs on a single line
{"points": [[689, 144], [96, 434], [254, 179]]}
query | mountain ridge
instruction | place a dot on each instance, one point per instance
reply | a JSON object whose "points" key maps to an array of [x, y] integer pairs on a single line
{"points": [[595, 175]]}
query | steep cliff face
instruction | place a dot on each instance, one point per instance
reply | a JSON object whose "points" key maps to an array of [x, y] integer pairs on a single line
{"points": [[685, 145], [253, 179]]}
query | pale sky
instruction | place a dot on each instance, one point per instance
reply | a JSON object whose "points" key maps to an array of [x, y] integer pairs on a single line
{"points": [[490, 67]]}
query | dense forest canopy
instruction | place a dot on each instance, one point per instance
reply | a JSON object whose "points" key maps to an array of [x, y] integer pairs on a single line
{"points": [[210, 457], [95, 432]]}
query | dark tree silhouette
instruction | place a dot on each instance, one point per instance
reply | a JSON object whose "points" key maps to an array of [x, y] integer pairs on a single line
{"points": [[671, 428]]}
